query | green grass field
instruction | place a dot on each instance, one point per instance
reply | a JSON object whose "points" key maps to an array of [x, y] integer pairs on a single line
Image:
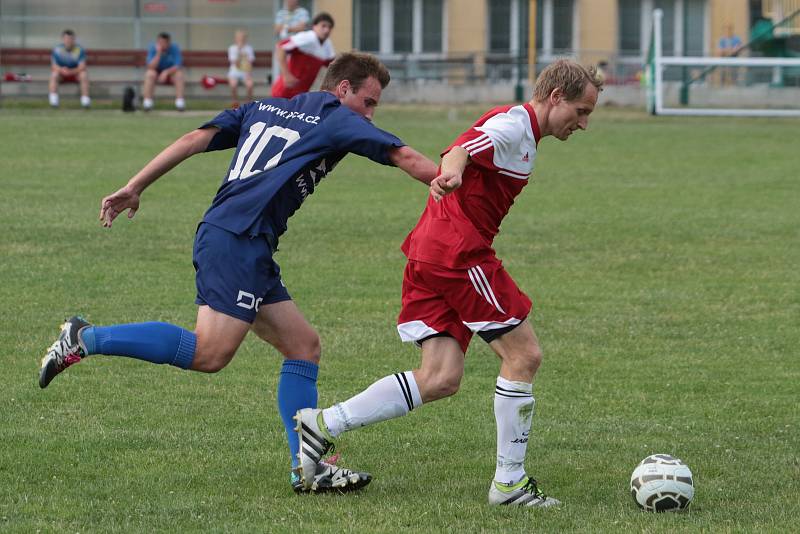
{"points": [[661, 254]]}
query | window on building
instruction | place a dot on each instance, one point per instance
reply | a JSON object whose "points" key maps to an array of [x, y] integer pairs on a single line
{"points": [[539, 24], [630, 27], [667, 25], [555, 21], [524, 24], [500, 25], [683, 26], [432, 21], [409, 26], [403, 27], [695, 27], [367, 15], [562, 26]]}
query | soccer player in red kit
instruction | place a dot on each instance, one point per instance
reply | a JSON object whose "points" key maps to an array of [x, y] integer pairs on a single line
{"points": [[454, 285], [307, 53]]}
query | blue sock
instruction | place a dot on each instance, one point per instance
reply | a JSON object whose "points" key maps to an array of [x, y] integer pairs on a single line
{"points": [[297, 388], [151, 342]]}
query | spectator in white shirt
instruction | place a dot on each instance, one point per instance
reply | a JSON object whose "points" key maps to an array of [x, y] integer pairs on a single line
{"points": [[241, 57]]}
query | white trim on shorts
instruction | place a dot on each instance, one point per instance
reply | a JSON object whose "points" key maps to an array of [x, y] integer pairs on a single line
{"points": [[483, 326], [413, 331]]}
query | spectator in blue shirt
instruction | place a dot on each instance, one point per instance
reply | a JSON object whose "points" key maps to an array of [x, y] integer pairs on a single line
{"points": [[729, 45], [68, 65], [165, 67]]}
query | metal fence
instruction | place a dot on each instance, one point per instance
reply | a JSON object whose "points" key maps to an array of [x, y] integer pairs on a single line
{"points": [[129, 24]]}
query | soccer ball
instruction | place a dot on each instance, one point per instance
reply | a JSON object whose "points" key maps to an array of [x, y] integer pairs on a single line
{"points": [[662, 483]]}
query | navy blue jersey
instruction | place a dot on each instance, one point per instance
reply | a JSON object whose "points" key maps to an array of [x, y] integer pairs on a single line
{"points": [[283, 149]]}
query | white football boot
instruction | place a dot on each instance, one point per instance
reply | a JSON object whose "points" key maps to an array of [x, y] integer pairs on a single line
{"points": [[523, 493], [317, 475]]}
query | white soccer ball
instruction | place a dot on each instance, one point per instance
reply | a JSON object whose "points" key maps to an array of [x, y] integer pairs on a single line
{"points": [[662, 483]]}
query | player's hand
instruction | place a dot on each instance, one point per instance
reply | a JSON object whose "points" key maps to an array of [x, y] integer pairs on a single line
{"points": [[289, 80], [443, 184], [163, 77], [114, 204]]}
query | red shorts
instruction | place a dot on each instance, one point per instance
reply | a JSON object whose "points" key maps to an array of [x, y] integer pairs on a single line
{"points": [[170, 80], [69, 78], [459, 302]]}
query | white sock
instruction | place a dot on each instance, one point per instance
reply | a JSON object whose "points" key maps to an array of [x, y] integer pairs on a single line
{"points": [[180, 103], [390, 397], [53, 98], [513, 411], [147, 103], [86, 101]]}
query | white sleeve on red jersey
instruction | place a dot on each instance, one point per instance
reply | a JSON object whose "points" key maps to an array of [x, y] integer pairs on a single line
{"points": [[328, 53], [301, 40], [496, 145]]}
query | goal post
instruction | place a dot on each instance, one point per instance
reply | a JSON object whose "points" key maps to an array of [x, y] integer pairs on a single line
{"points": [[760, 90]]}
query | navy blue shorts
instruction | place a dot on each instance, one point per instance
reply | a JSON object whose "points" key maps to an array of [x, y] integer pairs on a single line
{"points": [[235, 274]]}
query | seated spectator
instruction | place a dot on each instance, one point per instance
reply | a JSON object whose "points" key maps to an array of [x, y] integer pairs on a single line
{"points": [[165, 67], [241, 58], [308, 52], [68, 65]]}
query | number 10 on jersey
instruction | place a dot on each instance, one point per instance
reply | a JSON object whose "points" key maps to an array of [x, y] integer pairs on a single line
{"points": [[251, 151]]}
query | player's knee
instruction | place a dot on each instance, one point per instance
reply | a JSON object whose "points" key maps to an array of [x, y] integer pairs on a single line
{"points": [[306, 346], [210, 358], [440, 386], [529, 359], [210, 364]]}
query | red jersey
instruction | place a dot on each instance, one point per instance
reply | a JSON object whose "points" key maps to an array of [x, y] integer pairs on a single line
{"points": [[457, 232], [306, 57]]}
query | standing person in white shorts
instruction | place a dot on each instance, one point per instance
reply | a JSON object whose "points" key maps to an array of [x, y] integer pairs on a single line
{"points": [[241, 58]]}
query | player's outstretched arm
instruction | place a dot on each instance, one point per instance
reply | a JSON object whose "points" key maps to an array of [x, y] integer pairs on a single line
{"points": [[413, 163], [127, 198], [449, 179]]}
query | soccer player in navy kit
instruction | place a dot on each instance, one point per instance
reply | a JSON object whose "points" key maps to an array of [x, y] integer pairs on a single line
{"points": [[284, 148]]}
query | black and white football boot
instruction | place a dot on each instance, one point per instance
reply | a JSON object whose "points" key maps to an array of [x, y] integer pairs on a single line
{"points": [[523, 493], [330, 478], [65, 351], [317, 475]]}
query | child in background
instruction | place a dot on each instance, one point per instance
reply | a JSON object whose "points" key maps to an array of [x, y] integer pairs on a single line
{"points": [[241, 58]]}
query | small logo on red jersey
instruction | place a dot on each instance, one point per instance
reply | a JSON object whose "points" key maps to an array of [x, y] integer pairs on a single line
{"points": [[525, 158]]}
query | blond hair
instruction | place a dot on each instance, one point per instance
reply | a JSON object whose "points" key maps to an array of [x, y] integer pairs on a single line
{"points": [[567, 75]]}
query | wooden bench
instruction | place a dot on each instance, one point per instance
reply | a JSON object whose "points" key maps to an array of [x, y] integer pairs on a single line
{"points": [[127, 62], [40, 57]]}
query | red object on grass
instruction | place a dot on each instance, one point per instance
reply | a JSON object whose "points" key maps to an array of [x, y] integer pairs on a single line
{"points": [[14, 77], [209, 82]]}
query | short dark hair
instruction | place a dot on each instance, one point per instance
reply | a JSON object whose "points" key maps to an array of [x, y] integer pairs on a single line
{"points": [[68, 32], [164, 35], [355, 67], [322, 17]]}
